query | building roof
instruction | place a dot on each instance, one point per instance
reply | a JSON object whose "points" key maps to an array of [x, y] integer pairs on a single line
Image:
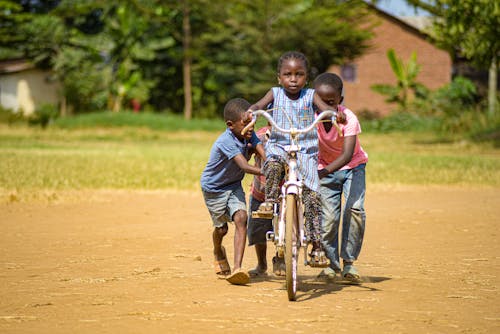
{"points": [[407, 23], [15, 65]]}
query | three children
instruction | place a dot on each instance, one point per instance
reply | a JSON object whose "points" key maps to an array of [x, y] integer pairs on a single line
{"points": [[293, 106]]}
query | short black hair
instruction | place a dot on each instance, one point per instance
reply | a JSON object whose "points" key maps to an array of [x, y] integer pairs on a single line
{"points": [[292, 55], [234, 108], [329, 79]]}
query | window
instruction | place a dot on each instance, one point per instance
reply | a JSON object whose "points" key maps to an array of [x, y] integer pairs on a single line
{"points": [[348, 72]]}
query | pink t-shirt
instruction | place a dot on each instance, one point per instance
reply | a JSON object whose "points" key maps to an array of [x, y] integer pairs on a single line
{"points": [[330, 143]]}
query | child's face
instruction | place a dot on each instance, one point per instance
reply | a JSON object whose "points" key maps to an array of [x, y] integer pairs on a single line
{"points": [[237, 126], [292, 77], [329, 95]]}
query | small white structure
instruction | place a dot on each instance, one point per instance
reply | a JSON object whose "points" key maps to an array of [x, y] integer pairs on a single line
{"points": [[23, 87]]}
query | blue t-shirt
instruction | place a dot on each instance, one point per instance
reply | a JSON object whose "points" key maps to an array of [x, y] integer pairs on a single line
{"points": [[221, 172]]}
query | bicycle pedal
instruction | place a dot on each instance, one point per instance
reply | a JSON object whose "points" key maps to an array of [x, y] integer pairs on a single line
{"points": [[262, 215]]}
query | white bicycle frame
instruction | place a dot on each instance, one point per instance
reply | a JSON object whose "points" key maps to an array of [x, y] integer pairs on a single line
{"points": [[293, 185]]}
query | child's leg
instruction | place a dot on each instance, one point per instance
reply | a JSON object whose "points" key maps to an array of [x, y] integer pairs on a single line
{"points": [[312, 213], [257, 229], [274, 170], [261, 252], [331, 201], [217, 207], [236, 205], [240, 237], [354, 218], [222, 268], [217, 236]]}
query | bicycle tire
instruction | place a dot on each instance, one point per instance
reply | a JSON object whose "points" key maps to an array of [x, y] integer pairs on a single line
{"points": [[291, 246]]}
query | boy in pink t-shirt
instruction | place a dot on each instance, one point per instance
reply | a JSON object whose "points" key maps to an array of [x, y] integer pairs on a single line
{"points": [[341, 168]]}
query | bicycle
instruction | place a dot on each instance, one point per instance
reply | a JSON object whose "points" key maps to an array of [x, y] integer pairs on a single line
{"points": [[288, 232]]}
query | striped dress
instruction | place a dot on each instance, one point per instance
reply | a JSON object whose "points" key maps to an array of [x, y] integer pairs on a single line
{"points": [[299, 114]]}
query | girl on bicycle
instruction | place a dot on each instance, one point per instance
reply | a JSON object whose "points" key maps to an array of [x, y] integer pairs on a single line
{"points": [[293, 107]]}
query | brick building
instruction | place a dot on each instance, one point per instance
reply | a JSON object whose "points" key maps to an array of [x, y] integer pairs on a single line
{"points": [[374, 68]]}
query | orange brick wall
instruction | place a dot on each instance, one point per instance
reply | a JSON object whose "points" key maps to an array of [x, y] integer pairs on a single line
{"points": [[374, 68]]}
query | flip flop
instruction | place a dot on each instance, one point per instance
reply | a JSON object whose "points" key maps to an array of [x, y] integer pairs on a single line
{"points": [[279, 266], [222, 268], [256, 272], [238, 277], [318, 259], [350, 274]]}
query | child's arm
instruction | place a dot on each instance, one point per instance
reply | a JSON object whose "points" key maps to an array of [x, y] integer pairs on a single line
{"points": [[242, 162], [260, 151], [343, 158], [322, 106], [263, 102]]}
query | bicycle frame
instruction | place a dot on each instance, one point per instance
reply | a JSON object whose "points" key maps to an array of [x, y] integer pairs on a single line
{"points": [[288, 222]]}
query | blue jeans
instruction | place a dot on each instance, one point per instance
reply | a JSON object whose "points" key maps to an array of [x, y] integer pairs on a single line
{"points": [[351, 183]]}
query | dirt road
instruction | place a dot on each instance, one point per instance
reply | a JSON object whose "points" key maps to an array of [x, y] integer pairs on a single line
{"points": [[141, 262]]}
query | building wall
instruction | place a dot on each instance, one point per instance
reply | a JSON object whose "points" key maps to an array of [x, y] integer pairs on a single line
{"points": [[26, 90], [374, 68]]}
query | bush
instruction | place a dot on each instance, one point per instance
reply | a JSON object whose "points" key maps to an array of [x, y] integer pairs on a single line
{"points": [[43, 115], [400, 122], [9, 116]]}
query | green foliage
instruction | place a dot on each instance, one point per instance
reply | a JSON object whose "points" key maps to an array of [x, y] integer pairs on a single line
{"points": [[108, 52], [453, 112], [8, 116], [461, 92], [406, 75], [470, 27], [399, 122], [43, 115], [11, 17], [236, 45]]}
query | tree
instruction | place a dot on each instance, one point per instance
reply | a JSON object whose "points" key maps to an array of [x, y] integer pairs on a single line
{"points": [[186, 63], [237, 53], [406, 75], [470, 28]]}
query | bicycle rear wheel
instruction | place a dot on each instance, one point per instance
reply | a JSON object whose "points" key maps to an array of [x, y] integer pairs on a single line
{"points": [[291, 246]]}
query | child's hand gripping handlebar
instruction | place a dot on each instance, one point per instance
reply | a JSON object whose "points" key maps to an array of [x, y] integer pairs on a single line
{"points": [[325, 114]]}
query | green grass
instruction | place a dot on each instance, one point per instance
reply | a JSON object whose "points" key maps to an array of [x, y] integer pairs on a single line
{"points": [[153, 121], [124, 157]]}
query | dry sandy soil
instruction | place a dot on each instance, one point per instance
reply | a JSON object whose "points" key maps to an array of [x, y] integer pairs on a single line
{"points": [[141, 262]]}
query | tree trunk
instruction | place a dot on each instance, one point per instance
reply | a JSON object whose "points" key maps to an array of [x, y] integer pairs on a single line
{"points": [[492, 86], [186, 64], [63, 108]]}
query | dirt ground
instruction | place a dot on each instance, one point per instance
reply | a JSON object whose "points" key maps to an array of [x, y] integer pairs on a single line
{"points": [[141, 262]]}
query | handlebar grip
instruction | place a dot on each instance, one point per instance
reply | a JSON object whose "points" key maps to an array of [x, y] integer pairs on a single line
{"points": [[249, 125], [339, 131]]}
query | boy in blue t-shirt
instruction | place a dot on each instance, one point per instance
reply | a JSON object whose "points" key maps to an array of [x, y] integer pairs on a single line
{"points": [[222, 189]]}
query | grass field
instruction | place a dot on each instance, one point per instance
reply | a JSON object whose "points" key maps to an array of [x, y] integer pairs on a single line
{"points": [[57, 159]]}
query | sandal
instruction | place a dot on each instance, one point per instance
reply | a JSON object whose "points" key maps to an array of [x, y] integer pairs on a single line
{"points": [[238, 277], [257, 272], [278, 266], [350, 274], [318, 259], [222, 268]]}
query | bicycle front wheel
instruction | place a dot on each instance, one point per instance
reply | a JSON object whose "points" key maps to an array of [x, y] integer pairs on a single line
{"points": [[291, 246]]}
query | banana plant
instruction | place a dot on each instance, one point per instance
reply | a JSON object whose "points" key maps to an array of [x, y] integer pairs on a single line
{"points": [[406, 76]]}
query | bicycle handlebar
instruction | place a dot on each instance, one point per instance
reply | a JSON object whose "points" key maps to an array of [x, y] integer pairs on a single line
{"points": [[293, 131]]}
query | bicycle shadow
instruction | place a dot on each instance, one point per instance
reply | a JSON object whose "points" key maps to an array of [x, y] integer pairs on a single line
{"points": [[310, 288]]}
